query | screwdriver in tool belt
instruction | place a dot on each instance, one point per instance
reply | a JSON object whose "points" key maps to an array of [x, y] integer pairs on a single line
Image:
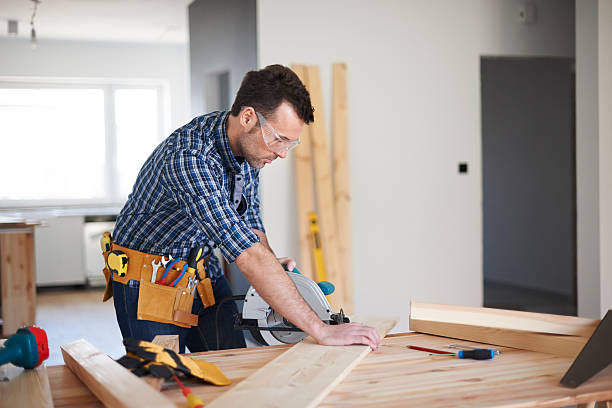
{"points": [[475, 354]]}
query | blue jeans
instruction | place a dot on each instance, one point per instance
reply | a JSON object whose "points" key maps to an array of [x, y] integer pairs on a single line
{"points": [[198, 338]]}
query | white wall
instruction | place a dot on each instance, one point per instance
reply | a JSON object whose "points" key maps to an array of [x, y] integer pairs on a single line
{"points": [[605, 151], [414, 114], [57, 58]]}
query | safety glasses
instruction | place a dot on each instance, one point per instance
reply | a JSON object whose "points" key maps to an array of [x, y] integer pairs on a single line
{"points": [[275, 142]]}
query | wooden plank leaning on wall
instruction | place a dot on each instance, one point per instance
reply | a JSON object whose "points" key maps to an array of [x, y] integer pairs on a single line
{"points": [[342, 192], [324, 188], [304, 183]]}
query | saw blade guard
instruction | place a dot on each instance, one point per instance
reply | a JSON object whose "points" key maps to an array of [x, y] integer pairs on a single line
{"points": [[255, 307]]}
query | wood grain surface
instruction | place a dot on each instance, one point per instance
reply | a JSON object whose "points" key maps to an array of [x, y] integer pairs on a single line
{"points": [[304, 186], [342, 188], [18, 280], [307, 367], [395, 376], [114, 385], [326, 208], [504, 319], [24, 388], [546, 333]]}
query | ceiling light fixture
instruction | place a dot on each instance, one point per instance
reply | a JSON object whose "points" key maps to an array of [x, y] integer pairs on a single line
{"points": [[33, 42]]}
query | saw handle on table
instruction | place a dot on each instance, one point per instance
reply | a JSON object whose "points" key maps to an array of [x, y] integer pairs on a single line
{"points": [[326, 287]]}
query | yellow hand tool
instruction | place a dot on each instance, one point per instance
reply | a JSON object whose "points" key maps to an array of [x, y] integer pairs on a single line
{"points": [[317, 250], [105, 242], [204, 287], [117, 262]]}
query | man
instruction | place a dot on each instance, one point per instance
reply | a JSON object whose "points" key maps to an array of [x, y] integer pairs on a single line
{"points": [[200, 185]]}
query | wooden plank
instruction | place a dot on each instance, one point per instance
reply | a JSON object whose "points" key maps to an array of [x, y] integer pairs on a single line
{"points": [[560, 345], [169, 341], [304, 184], [342, 193], [24, 388], [18, 280], [503, 327], [503, 319], [324, 189], [106, 379], [300, 377]]}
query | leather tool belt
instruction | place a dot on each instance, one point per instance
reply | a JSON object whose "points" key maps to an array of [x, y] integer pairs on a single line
{"points": [[156, 302]]}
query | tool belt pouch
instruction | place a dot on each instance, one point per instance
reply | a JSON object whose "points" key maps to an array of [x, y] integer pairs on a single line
{"points": [[205, 291], [165, 304], [108, 292]]}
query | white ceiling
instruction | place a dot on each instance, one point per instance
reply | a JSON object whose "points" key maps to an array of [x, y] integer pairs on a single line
{"points": [[156, 21]]}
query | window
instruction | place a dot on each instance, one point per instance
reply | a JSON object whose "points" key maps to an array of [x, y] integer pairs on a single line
{"points": [[75, 143]]}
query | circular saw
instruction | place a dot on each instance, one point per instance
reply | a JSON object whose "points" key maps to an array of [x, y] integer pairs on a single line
{"points": [[269, 327]]}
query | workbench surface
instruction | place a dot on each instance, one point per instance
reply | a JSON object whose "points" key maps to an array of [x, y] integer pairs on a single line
{"points": [[397, 376]]}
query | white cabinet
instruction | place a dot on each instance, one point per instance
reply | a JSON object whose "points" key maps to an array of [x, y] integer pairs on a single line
{"points": [[94, 263], [59, 250]]}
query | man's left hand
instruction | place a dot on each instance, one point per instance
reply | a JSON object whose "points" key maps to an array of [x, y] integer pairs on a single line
{"points": [[288, 262]]}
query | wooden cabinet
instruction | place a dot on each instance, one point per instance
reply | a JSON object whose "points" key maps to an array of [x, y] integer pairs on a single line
{"points": [[17, 278]]}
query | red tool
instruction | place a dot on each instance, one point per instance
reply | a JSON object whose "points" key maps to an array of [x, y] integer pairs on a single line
{"points": [[475, 354], [27, 348], [192, 400], [430, 350]]}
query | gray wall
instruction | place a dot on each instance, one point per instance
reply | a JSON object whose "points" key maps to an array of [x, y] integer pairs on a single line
{"points": [[587, 158], [223, 47], [528, 172], [223, 39]]}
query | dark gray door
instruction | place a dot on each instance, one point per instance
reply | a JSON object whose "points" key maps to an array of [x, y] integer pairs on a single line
{"points": [[528, 147]]}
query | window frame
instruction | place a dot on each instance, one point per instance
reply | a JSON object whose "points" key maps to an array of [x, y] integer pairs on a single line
{"points": [[112, 196]]}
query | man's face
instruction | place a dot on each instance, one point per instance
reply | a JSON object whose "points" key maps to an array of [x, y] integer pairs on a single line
{"points": [[288, 127]]}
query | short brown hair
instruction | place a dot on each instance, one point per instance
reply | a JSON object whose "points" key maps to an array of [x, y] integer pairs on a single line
{"points": [[267, 88]]}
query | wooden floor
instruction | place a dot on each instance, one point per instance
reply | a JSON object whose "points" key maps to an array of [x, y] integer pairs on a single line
{"points": [[72, 314], [69, 314]]}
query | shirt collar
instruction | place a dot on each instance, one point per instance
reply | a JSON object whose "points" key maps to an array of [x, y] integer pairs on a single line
{"points": [[223, 145]]}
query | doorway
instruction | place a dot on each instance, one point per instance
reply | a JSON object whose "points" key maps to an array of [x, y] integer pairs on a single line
{"points": [[529, 184]]}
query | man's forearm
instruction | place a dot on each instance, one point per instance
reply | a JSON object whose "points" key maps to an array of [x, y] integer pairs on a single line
{"points": [[266, 274], [263, 239]]}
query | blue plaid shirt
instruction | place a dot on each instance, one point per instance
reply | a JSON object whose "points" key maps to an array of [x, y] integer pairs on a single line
{"points": [[182, 196]]}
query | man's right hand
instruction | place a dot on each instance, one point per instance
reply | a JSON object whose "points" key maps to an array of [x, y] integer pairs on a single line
{"points": [[346, 334]]}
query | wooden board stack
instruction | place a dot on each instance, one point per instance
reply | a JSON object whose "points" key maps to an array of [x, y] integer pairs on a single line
{"points": [[553, 334], [331, 184]]}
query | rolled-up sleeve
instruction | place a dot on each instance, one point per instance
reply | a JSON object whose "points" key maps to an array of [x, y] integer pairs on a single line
{"points": [[196, 187], [251, 193]]}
